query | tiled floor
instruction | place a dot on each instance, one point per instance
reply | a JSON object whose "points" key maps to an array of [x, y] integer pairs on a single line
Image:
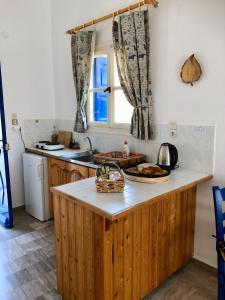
{"points": [[196, 281], [27, 260], [27, 267]]}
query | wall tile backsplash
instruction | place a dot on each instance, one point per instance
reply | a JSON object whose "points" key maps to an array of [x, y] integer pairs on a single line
{"points": [[37, 130], [195, 144]]}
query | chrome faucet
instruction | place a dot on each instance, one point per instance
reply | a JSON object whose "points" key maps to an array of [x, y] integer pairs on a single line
{"points": [[90, 144]]}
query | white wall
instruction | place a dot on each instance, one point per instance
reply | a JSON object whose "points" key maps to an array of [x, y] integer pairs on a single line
{"points": [[26, 61], [178, 29]]}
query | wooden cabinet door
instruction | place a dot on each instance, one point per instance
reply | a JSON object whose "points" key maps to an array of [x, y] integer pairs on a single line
{"points": [[56, 172], [91, 172], [61, 172], [56, 176], [75, 172]]}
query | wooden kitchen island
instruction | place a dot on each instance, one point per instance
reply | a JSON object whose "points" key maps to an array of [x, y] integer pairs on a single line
{"points": [[122, 246]]}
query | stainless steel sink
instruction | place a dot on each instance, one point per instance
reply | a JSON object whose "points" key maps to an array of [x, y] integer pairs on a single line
{"points": [[88, 158], [76, 155], [85, 156]]}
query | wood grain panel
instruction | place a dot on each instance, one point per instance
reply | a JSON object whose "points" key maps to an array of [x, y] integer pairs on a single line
{"points": [[178, 236], [160, 244], [192, 222], [153, 242], [108, 260], [118, 278], [91, 172], [165, 239], [172, 236], [144, 251], [58, 237], [79, 259], [88, 251], [137, 254], [128, 256], [98, 257], [65, 248], [72, 248], [183, 240], [188, 221]]}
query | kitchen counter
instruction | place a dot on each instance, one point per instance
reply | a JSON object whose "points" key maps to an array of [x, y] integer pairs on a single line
{"points": [[123, 246], [113, 205], [63, 154]]}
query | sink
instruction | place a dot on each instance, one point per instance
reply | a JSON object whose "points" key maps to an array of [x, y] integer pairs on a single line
{"points": [[88, 158], [76, 155], [85, 156]]}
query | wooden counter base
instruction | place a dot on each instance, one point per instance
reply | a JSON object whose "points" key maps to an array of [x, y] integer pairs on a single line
{"points": [[127, 258]]}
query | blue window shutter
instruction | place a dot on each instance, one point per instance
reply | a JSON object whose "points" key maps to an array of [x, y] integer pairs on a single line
{"points": [[100, 80]]}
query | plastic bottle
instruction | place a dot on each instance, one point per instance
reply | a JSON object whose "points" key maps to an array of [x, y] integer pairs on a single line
{"points": [[126, 150]]}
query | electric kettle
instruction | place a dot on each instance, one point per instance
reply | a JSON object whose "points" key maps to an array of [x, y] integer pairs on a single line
{"points": [[167, 156]]}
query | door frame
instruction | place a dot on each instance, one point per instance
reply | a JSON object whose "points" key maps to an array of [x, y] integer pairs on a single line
{"points": [[5, 153]]}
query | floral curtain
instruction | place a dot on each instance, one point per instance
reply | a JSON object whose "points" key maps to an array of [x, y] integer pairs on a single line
{"points": [[132, 49], [82, 47]]}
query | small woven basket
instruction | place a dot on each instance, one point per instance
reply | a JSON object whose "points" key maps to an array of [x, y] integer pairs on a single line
{"points": [[108, 185]]}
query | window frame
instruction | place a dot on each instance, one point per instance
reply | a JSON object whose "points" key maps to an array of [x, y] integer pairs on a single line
{"points": [[107, 50]]}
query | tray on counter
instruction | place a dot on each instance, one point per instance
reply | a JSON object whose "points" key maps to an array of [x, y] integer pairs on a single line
{"points": [[133, 174], [117, 157]]}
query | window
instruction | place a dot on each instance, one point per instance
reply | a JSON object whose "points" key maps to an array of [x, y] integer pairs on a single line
{"points": [[108, 106], [99, 82]]}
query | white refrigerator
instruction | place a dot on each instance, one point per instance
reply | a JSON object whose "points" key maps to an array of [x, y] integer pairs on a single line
{"points": [[35, 169]]}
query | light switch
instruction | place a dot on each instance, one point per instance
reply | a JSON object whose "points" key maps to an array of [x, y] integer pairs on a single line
{"points": [[173, 129], [15, 123], [14, 120]]}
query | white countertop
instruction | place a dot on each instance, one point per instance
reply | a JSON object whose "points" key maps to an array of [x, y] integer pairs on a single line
{"points": [[63, 154], [55, 153], [111, 205]]}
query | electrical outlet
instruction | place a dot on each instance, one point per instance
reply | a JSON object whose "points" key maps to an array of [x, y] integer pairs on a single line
{"points": [[173, 129]]}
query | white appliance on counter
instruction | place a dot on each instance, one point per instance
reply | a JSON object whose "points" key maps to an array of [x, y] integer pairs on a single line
{"points": [[45, 145], [35, 169]]}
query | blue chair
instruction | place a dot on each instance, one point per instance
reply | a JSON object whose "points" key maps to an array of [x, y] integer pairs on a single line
{"points": [[219, 197]]}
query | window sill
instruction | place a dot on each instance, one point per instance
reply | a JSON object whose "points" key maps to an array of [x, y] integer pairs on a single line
{"points": [[109, 130]]}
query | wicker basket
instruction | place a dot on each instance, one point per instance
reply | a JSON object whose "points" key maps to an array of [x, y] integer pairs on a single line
{"points": [[117, 156], [108, 185]]}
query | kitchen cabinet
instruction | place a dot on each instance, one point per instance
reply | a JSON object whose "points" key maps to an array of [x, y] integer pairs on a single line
{"points": [[126, 246], [61, 172], [135, 252]]}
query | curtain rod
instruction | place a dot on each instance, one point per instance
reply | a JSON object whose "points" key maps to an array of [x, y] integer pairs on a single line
{"points": [[121, 11]]}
